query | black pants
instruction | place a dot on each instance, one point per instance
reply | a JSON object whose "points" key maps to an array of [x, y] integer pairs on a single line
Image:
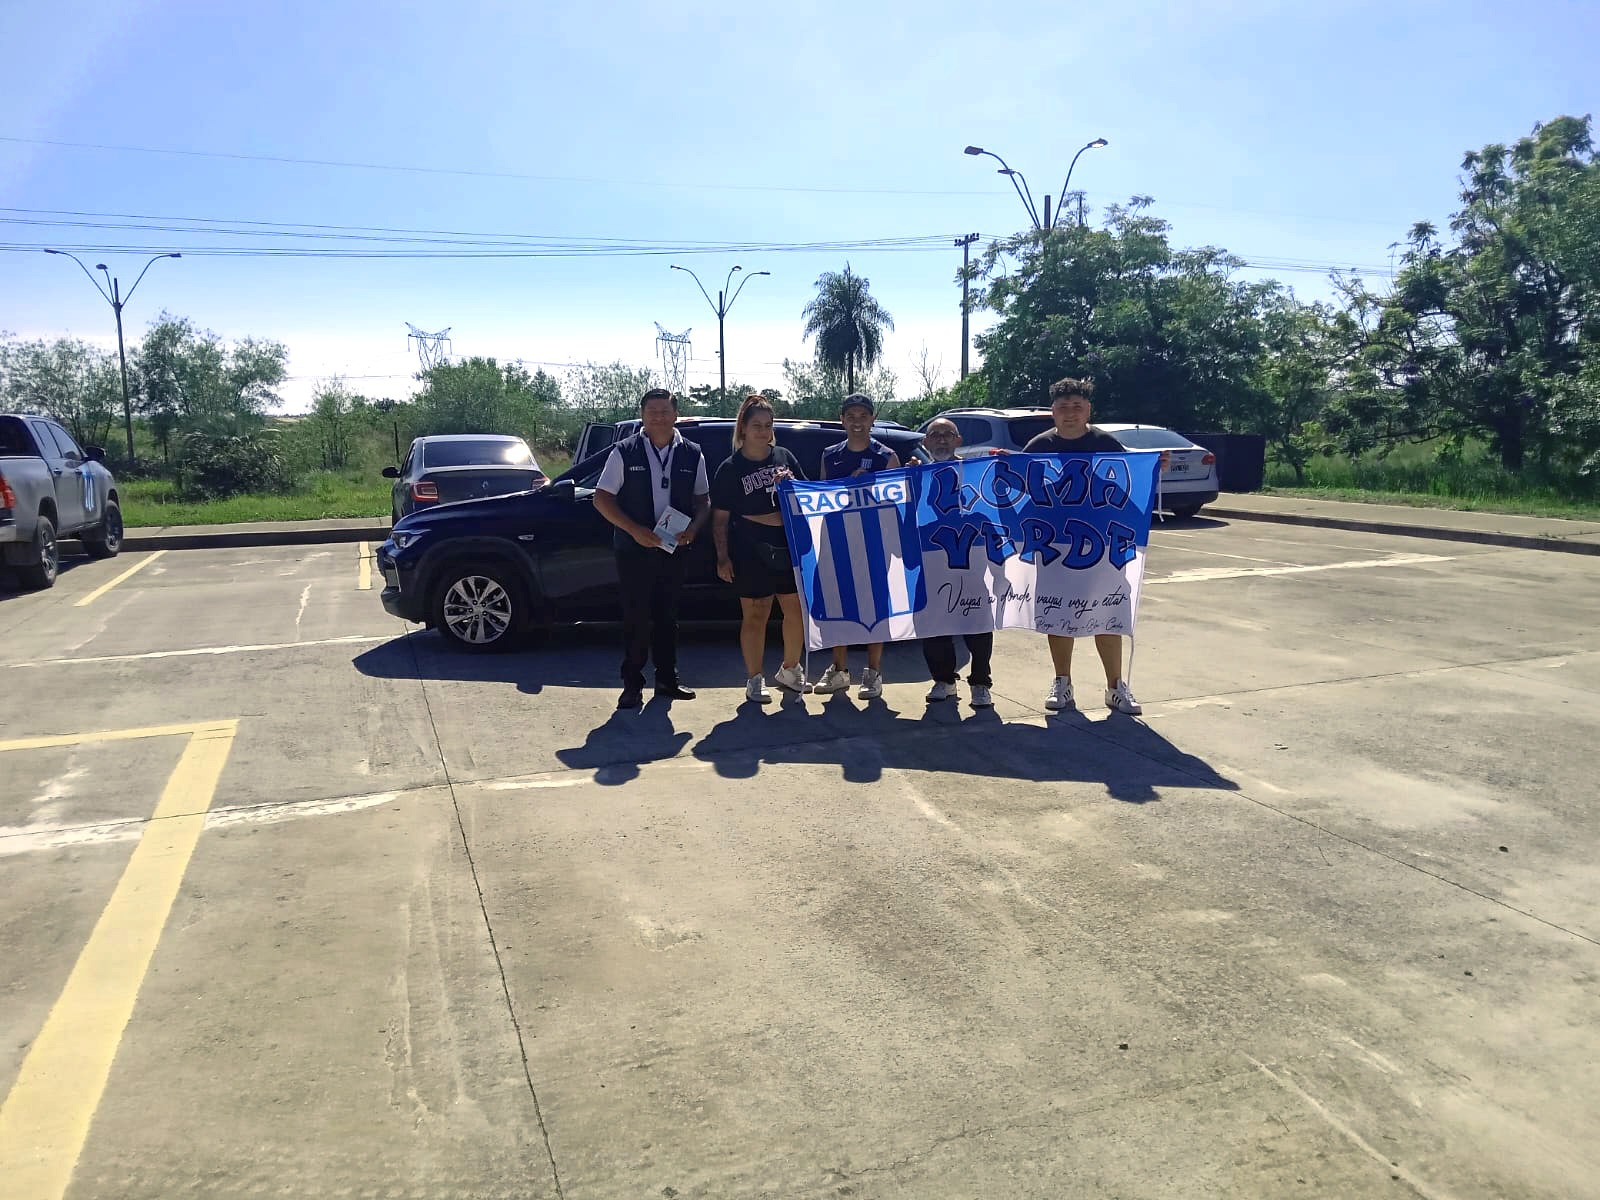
{"points": [[941, 655], [649, 581]]}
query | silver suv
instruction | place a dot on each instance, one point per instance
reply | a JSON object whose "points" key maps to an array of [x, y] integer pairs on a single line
{"points": [[1188, 478]]}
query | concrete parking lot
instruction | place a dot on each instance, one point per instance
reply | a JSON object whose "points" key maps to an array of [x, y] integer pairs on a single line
{"points": [[294, 902]]}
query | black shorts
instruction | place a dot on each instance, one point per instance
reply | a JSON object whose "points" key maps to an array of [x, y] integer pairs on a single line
{"points": [[754, 577]]}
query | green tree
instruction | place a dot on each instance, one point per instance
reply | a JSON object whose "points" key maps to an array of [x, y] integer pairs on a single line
{"points": [[814, 390], [479, 395], [847, 324], [1293, 379], [1169, 336], [332, 423], [1495, 335], [190, 381], [70, 380]]}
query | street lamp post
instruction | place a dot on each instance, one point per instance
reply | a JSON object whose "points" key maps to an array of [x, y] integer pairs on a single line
{"points": [[1061, 198], [114, 297], [1026, 196], [1023, 192], [720, 306]]}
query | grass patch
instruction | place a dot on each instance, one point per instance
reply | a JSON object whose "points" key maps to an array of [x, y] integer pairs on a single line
{"points": [[1473, 483], [1516, 505], [319, 496]]}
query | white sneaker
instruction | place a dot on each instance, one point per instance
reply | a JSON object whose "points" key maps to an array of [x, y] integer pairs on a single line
{"points": [[833, 680], [1060, 695], [1120, 699], [941, 691], [755, 689], [871, 685], [792, 679], [981, 697]]}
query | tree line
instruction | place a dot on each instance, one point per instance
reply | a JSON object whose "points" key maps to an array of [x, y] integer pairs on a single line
{"points": [[1489, 333], [1487, 337]]}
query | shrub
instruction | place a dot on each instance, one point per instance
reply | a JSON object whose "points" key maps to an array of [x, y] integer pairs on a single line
{"points": [[212, 467]]}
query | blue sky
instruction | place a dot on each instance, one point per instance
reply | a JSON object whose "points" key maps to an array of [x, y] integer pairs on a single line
{"points": [[1276, 130]]}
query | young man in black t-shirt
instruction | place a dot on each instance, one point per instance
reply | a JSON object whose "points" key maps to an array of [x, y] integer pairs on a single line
{"points": [[859, 454], [1070, 401]]}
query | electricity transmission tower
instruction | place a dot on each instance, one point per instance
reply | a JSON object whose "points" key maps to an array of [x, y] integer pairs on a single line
{"points": [[673, 349], [432, 348]]}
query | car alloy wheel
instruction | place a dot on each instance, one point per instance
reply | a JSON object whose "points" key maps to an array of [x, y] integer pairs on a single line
{"points": [[113, 530], [477, 610], [49, 552]]}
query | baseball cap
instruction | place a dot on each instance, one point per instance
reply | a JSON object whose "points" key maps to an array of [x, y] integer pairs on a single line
{"points": [[857, 400]]}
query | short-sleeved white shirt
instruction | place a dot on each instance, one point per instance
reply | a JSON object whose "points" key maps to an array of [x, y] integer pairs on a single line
{"points": [[612, 473]]}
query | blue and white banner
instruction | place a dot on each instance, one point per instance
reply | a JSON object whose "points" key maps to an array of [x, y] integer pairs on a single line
{"points": [[1052, 543]]}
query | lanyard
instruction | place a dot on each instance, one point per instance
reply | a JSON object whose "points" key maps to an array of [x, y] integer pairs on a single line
{"points": [[662, 460]]}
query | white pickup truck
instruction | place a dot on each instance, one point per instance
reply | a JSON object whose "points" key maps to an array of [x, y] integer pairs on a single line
{"points": [[51, 488]]}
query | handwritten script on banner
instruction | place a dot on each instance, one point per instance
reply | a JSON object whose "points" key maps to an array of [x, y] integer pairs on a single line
{"points": [[1052, 543]]}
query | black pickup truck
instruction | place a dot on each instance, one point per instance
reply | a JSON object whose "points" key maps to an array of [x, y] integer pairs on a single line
{"points": [[52, 488], [484, 572]]}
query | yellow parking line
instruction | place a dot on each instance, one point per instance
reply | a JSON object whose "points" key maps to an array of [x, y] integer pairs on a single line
{"points": [[114, 735], [106, 587], [45, 1120], [363, 569]]}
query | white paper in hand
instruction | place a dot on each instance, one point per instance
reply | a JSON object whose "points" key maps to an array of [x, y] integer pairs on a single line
{"points": [[672, 523]]}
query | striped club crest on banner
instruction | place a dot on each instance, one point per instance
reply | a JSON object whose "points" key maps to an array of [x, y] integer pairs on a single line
{"points": [[857, 550]]}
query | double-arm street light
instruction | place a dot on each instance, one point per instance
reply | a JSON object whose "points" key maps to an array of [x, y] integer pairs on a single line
{"points": [[720, 306], [1026, 196], [114, 297]]}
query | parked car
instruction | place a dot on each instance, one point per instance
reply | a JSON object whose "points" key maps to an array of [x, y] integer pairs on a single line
{"points": [[1188, 480], [52, 488], [1189, 474], [484, 572], [462, 466]]}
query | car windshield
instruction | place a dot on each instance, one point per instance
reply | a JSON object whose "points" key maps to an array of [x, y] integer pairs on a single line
{"points": [[1151, 439], [1024, 429], [496, 452]]}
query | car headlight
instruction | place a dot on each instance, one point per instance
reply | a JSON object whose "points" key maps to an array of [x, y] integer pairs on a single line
{"points": [[404, 539]]}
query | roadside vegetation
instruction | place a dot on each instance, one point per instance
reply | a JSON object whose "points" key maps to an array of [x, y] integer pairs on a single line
{"points": [[1471, 378]]}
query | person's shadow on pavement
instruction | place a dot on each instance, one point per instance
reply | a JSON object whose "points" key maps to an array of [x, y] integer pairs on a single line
{"points": [[617, 747]]}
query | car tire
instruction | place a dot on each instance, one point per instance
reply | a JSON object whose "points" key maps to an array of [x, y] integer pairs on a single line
{"points": [[1184, 511], [105, 539], [480, 607], [46, 565]]}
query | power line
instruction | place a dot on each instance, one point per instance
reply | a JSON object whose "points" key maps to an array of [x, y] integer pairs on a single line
{"points": [[480, 174]]}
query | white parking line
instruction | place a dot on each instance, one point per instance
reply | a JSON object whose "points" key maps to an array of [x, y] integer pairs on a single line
{"points": [[1207, 574], [1276, 562], [363, 568], [1275, 541], [109, 658]]}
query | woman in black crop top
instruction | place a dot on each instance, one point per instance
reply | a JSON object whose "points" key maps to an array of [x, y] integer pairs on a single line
{"points": [[752, 552]]}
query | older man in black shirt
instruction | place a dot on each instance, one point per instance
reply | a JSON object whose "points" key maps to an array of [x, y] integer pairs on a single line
{"points": [[1070, 406]]}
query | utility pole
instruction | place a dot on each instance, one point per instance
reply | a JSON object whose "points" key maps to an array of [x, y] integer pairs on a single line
{"points": [[1047, 213], [966, 259]]}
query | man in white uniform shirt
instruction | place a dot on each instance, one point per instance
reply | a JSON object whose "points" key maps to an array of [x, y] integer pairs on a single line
{"points": [[647, 476]]}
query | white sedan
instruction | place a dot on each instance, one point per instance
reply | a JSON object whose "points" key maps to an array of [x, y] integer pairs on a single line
{"points": [[1189, 479]]}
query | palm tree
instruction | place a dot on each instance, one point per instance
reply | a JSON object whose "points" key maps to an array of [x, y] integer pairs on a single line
{"points": [[847, 323]]}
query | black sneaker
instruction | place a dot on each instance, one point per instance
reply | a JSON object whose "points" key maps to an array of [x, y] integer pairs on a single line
{"points": [[673, 691]]}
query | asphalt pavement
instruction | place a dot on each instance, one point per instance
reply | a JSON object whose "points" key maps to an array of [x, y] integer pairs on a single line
{"points": [[296, 902]]}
